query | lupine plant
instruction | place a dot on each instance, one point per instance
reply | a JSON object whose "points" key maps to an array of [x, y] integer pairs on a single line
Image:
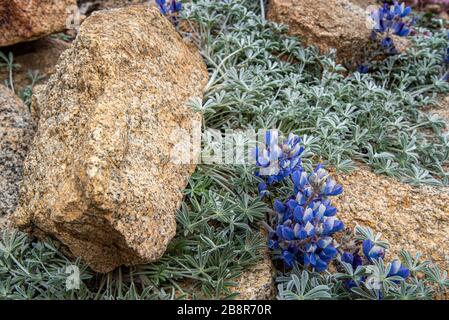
{"points": [[301, 234], [389, 21], [277, 160], [303, 225], [363, 274], [366, 264], [306, 222]]}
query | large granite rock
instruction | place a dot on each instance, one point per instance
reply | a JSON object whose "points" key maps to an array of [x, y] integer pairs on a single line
{"points": [[3, 223], [410, 218], [16, 134], [100, 177], [328, 24], [26, 20], [89, 6], [40, 55], [364, 4]]}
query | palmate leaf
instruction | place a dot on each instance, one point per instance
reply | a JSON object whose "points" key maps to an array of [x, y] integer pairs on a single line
{"points": [[414, 264], [437, 276], [366, 293], [406, 291], [363, 233], [300, 289]]}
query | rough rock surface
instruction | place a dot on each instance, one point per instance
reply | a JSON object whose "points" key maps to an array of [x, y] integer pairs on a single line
{"points": [[365, 3], [26, 20], [410, 218], [327, 24], [36, 102], [16, 134], [40, 55], [3, 223], [99, 177], [88, 6], [443, 110], [257, 283]]}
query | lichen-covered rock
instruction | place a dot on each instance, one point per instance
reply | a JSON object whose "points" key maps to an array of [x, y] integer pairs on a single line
{"points": [[16, 134], [99, 177], [40, 55], [29, 20], [327, 24], [410, 218]]}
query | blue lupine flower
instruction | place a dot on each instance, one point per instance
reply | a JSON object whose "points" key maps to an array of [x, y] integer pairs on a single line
{"points": [[162, 6], [387, 43], [273, 242], [331, 188], [372, 251], [306, 221], [397, 269], [288, 258], [277, 160], [390, 20], [263, 189], [353, 259], [363, 68], [175, 6], [170, 10], [401, 10], [300, 179], [400, 29], [285, 232], [279, 207]]}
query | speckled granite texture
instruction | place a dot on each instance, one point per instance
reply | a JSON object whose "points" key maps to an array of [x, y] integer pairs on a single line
{"points": [[16, 134], [99, 177]]}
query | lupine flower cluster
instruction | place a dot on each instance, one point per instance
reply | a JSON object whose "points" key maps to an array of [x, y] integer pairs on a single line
{"points": [[305, 223], [170, 8], [371, 253], [390, 20], [277, 160]]}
